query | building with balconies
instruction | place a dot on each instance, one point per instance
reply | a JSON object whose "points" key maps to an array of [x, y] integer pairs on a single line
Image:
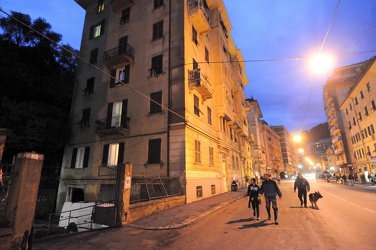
{"points": [[148, 93], [359, 111], [287, 149], [335, 92]]}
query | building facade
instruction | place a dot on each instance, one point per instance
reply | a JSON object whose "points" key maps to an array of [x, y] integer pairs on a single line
{"points": [[151, 92], [336, 90], [359, 112], [273, 152]]}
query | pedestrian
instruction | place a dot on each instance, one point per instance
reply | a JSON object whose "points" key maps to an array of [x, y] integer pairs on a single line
{"points": [[253, 192], [344, 178], [363, 178], [303, 186], [270, 190], [370, 179], [351, 178]]}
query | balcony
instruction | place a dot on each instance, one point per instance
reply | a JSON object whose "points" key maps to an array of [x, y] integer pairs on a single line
{"points": [[332, 120], [340, 162], [339, 151], [199, 15], [117, 126], [121, 4], [327, 100], [335, 139], [197, 80], [121, 54], [333, 129], [330, 109]]}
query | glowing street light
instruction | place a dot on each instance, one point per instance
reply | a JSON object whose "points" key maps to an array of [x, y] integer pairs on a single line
{"points": [[321, 64], [297, 138]]}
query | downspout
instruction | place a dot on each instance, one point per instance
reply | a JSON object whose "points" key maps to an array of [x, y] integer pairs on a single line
{"points": [[169, 89]]}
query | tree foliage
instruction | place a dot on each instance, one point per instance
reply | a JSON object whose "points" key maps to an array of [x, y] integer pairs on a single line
{"points": [[37, 78]]}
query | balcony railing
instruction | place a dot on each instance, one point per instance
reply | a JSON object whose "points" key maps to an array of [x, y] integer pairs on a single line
{"points": [[334, 128], [115, 126], [335, 139], [197, 80], [332, 119], [338, 151], [121, 54], [199, 15]]}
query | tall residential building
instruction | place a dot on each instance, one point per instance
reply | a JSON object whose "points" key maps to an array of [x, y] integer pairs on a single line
{"points": [[273, 152], [254, 116], [288, 150], [164, 91], [336, 90], [359, 112]]}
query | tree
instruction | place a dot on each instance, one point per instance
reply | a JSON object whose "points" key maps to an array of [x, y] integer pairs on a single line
{"points": [[37, 85]]}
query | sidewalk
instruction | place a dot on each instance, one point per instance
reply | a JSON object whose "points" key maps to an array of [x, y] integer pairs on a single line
{"points": [[182, 216]]}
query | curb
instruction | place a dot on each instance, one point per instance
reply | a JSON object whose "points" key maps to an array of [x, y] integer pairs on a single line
{"points": [[189, 221]]}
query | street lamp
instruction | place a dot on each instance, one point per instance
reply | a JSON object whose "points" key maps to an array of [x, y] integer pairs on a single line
{"points": [[321, 63]]}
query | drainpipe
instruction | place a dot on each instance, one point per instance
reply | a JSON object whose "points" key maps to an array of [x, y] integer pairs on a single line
{"points": [[169, 89]]}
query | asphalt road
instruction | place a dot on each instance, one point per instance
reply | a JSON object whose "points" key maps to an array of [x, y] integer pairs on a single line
{"points": [[346, 220]]}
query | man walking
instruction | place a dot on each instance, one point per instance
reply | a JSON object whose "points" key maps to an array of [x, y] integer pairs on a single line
{"points": [[270, 190], [303, 186]]}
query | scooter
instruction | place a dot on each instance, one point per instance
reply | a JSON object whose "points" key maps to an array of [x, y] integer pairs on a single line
{"points": [[234, 186]]}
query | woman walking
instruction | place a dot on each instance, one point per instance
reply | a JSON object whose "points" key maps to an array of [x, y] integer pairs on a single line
{"points": [[253, 190]]}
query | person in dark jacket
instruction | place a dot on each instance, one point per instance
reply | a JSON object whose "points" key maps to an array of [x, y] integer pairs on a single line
{"points": [[270, 190], [351, 178], [303, 186], [253, 191]]}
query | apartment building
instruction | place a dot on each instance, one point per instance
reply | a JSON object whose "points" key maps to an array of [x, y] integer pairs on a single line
{"points": [[161, 87], [336, 91], [359, 112], [289, 153], [254, 116], [273, 152]]}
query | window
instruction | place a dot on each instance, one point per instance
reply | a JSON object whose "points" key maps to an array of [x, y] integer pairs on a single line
{"points": [[154, 151], [89, 86], [120, 76], [206, 55], [97, 30], [156, 65], [158, 30], [365, 111], [209, 116], [196, 105], [360, 116], [351, 108], [356, 100], [354, 122], [211, 156], [117, 114], [361, 94], [158, 3], [125, 14], [347, 112], [94, 56], [194, 35], [113, 154], [368, 88], [213, 191], [373, 105], [100, 6], [195, 64], [156, 102], [199, 191], [85, 118], [80, 157], [197, 151]]}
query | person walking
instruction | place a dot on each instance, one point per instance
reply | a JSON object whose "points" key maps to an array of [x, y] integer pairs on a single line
{"points": [[253, 191], [363, 179], [344, 178], [303, 186], [351, 178], [270, 190]]}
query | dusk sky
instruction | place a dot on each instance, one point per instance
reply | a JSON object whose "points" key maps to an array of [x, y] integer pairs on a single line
{"points": [[288, 92]]}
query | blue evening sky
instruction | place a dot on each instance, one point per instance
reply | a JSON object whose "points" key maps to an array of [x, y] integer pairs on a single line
{"points": [[288, 93]]}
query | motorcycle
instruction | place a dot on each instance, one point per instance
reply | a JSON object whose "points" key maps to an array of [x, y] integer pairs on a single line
{"points": [[335, 179], [234, 186]]}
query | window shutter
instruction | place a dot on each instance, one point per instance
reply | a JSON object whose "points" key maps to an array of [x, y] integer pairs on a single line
{"points": [[124, 109], [86, 157], [74, 155], [102, 27], [109, 115], [127, 71], [121, 153], [113, 77], [91, 32], [106, 147]]}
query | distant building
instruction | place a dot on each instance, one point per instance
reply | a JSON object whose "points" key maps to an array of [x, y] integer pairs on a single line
{"points": [[152, 96], [273, 152], [359, 112], [336, 90]]}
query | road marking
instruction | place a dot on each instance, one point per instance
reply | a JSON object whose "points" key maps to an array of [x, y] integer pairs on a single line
{"points": [[355, 204], [335, 196], [369, 210]]}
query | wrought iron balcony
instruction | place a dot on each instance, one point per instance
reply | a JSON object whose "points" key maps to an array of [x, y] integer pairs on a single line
{"points": [[197, 80], [121, 54], [199, 15], [116, 126]]}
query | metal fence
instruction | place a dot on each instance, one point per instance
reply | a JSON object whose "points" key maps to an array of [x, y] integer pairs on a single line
{"points": [[150, 188]]}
